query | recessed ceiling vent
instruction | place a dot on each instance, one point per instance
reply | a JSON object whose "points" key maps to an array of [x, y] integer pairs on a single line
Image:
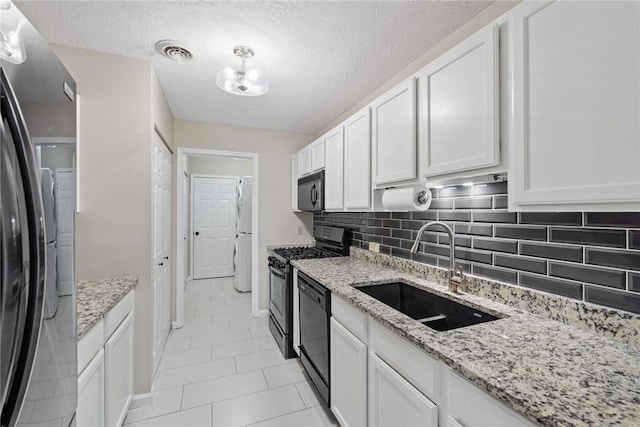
{"points": [[175, 50]]}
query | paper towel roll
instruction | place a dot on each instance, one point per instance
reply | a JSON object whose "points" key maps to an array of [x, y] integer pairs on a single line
{"points": [[416, 198]]}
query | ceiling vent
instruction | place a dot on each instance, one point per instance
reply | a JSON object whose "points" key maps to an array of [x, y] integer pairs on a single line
{"points": [[175, 50]]}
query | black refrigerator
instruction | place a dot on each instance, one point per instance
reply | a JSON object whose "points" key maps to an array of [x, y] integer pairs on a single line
{"points": [[38, 344]]}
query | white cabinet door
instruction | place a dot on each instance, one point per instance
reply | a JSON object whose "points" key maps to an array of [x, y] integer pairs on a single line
{"points": [[295, 174], [357, 160], [118, 356], [575, 70], [393, 134], [334, 169], [305, 160], [458, 107], [317, 155], [471, 407], [395, 402], [348, 377], [90, 411]]}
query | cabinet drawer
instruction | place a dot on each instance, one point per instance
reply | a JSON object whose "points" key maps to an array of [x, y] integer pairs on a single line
{"points": [[90, 344], [470, 407], [350, 317], [411, 362], [116, 315]]}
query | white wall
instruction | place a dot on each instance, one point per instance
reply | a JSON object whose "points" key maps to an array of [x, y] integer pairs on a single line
{"points": [[119, 108], [277, 224]]}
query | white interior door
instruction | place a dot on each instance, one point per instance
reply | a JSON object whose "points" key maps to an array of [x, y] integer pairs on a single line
{"points": [[65, 213], [185, 224], [214, 226], [161, 245]]}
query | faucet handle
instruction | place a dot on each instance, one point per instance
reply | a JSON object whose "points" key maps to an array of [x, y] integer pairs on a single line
{"points": [[458, 279]]}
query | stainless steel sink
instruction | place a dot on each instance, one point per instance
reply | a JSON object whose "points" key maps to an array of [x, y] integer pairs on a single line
{"points": [[432, 310]]}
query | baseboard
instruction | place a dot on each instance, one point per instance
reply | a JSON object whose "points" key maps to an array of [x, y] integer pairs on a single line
{"points": [[175, 325], [262, 313], [144, 399], [140, 400]]}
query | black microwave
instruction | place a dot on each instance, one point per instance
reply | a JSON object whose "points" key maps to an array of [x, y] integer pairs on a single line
{"points": [[311, 192]]}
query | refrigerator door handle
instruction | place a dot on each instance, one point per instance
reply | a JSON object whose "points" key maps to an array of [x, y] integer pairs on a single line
{"points": [[25, 350]]}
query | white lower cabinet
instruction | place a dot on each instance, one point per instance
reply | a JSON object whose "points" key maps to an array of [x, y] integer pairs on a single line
{"points": [[394, 401], [91, 393], [118, 351], [348, 377], [380, 379], [105, 363], [471, 407]]}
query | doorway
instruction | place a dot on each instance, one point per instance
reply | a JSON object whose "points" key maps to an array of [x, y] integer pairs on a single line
{"points": [[191, 165], [213, 213]]}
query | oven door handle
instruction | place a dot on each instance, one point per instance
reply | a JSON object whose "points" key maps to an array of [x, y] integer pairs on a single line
{"points": [[277, 272]]}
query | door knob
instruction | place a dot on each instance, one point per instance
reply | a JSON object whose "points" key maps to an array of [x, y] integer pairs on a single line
{"points": [[161, 264], [197, 233], [166, 257]]}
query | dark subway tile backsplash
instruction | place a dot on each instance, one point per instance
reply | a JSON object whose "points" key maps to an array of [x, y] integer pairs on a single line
{"points": [[583, 273], [551, 218], [613, 219], [521, 263], [566, 288], [550, 251], [547, 251], [473, 203], [589, 236], [616, 299], [629, 260]]}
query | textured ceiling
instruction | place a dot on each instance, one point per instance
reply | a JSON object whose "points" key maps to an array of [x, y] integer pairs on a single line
{"points": [[322, 57]]}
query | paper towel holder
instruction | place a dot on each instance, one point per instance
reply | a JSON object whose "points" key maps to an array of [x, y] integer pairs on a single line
{"points": [[423, 198]]}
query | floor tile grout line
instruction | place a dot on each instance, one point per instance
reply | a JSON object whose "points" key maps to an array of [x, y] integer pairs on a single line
{"points": [[163, 415]]}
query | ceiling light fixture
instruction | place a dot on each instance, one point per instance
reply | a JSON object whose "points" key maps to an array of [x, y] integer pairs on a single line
{"points": [[241, 80], [175, 50]]}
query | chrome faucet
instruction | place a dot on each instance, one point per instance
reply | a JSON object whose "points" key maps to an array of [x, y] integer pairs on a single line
{"points": [[454, 279]]}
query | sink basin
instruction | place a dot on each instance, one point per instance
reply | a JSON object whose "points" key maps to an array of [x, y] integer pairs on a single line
{"points": [[432, 310]]}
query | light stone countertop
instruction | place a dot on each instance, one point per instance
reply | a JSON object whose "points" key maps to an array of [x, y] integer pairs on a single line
{"points": [[96, 297], [552, 373]]}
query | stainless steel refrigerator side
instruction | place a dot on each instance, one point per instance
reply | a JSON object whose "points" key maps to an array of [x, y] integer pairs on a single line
{"points": [[45, 96], [29, 319]]}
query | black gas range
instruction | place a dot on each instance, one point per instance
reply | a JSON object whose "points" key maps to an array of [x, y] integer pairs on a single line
{"points": [[330, 242]]}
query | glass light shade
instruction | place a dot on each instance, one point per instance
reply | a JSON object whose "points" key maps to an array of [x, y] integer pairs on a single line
{"points": [[11, 48], [243, 82]]}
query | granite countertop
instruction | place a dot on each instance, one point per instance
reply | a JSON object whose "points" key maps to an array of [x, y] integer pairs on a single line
{"points": [[96, 297], [552, 373]]}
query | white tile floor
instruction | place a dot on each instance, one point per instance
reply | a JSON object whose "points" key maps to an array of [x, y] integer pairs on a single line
{"points": [[223, 368]]}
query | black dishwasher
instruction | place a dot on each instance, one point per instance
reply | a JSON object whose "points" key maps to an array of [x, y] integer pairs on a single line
{"points": [[315, 310]]}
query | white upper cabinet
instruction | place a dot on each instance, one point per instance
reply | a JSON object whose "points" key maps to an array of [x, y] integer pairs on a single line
{"points": [[305, 160], [334, 169], [357, 160], [317, 155], [575, 69], [458, 113], [393, 135]]}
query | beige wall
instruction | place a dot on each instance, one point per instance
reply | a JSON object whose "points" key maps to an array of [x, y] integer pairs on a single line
{"points": [[119, 107], [161, 113], [277, 224], [219, 165], [487, 15]]}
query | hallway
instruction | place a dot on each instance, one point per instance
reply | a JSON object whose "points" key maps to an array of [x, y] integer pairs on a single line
{"points": [[223, 369]]}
